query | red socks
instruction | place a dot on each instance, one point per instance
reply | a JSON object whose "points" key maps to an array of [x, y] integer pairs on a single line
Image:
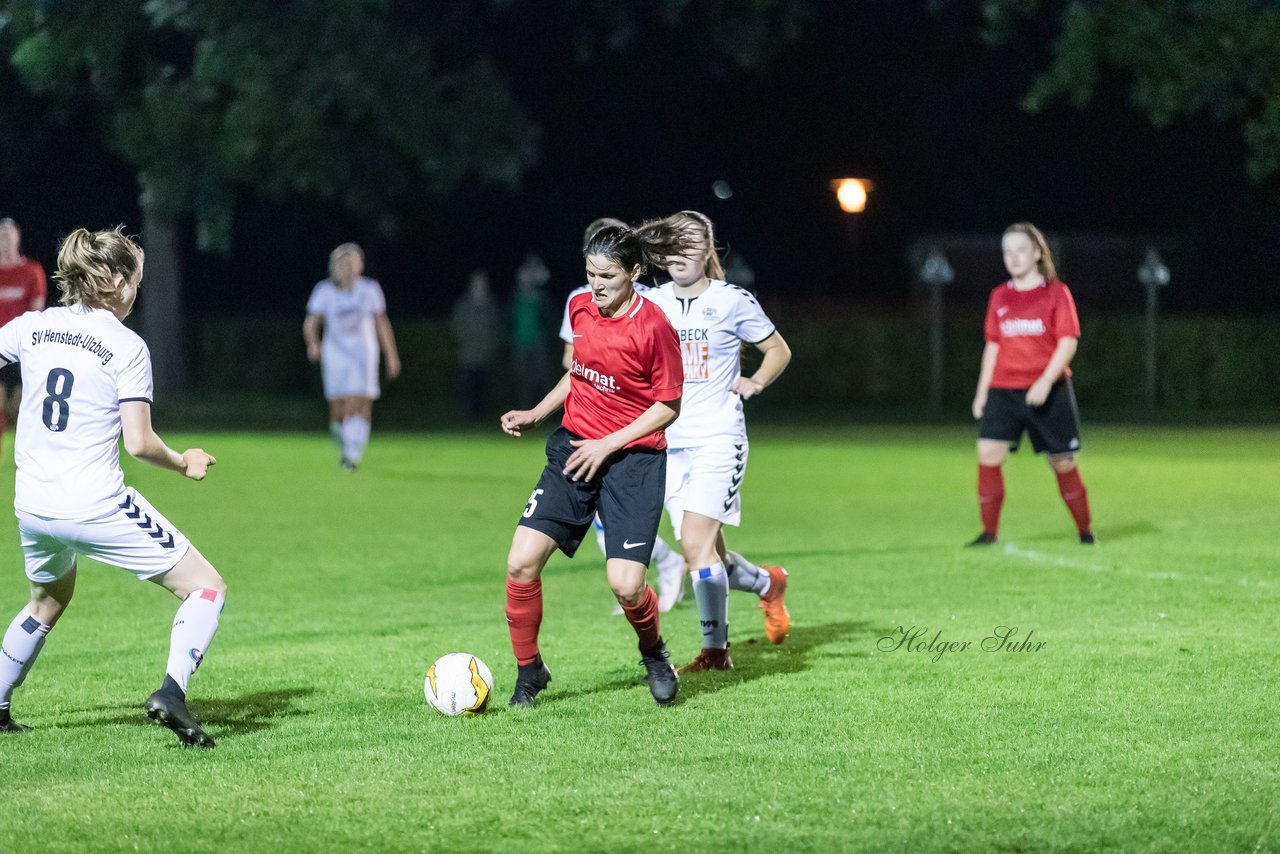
{"points": [[524, 618], [644, 619], [1076, 497], [990, 497]]}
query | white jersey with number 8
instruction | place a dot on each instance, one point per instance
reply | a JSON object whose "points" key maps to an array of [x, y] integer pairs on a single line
{"points": [[78, 365]]}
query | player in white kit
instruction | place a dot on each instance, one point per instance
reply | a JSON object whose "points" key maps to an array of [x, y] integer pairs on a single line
{"points": [[89, 379], [349, 312], [707, 445], [671, 566]]}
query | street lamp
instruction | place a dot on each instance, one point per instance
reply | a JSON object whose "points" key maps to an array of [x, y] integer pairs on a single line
{"points": [[851, 195], [1152, 275], [936, 273]]}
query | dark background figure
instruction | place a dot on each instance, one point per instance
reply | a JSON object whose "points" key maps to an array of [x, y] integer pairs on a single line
{"points": [[529, 319], [22, 289], [477, 328]]}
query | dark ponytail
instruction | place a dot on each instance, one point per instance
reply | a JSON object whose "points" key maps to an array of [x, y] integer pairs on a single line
{"points": [[647, 245]]}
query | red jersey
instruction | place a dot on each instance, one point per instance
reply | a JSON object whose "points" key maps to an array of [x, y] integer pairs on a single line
{"points": [[1027, 326], [20, 286], [622, 365]]}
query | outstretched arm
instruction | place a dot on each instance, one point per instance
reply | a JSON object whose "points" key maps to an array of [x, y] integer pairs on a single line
{"points": [[518, 420], [142, 443]]}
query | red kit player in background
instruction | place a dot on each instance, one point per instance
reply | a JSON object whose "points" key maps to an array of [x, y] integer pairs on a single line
{"points": [[1025, 384], [22, 289], [623, 387]]}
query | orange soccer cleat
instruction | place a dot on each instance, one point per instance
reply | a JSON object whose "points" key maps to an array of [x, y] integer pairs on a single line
{"points": [[777, 622]]}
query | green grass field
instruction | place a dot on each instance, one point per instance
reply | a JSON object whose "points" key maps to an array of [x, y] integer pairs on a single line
{"points": [[1146, 722]]}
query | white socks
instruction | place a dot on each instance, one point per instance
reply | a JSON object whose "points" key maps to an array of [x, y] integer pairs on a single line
{"points": [[599, 526], [745, 575], [711, 592], [335, 432], [193, 628], [355, 435], [22, 643]]}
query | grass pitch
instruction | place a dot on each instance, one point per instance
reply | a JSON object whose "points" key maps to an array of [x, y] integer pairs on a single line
{"points": [[1146, 720]]}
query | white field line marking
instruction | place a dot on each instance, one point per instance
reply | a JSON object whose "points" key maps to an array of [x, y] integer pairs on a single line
{"points": [[1056, 560]]}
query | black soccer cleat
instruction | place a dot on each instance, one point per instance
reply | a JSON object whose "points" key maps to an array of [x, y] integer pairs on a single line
{"points": [[664, 684], [983, 539], [530, 680], [8, 724], [348, 465], [1086, 538], [171, 710]]}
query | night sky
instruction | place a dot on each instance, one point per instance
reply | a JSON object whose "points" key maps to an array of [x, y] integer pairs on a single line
{"points": [[905, 94]]}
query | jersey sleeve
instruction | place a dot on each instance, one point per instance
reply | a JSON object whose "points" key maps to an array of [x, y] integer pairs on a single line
{"points": [[1066, 323], [751, 324], [133, 382], [992, 326], [667, 374], [11, 340], [377, 299], [39, 288], [316, 302], [566, 328]]}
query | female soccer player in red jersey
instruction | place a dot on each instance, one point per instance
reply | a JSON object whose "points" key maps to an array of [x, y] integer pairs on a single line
{"points": [[1025, 383], [622, 389]]}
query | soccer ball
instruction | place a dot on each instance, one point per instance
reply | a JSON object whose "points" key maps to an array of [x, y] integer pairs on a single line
{"points": [[458, 684]]}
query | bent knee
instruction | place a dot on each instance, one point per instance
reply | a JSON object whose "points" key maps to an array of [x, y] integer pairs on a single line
{"points": [[699, 552], [216, 584], [629, 595], [47, 610], [1063, 463], [523, 569], [992, 454]]}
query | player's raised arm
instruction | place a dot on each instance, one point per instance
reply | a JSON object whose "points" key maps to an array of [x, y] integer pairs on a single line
{"points": [[143, 443]]}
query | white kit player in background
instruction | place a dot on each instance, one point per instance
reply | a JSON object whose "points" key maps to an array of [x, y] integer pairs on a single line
{"points": [[671, 565], [349, 312], [88, 379], [707, 445]]}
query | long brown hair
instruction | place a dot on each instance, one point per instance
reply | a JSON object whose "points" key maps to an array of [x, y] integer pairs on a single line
{"points": [[88, 263], [699, 224], [1045, 264], [645, 245]]}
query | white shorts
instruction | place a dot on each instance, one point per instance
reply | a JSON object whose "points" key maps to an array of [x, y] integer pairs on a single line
{"points": [[131, 535], [346, 376], [706, 480]]}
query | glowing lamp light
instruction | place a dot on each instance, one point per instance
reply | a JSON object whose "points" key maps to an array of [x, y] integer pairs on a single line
{"points": [[851, 193]]}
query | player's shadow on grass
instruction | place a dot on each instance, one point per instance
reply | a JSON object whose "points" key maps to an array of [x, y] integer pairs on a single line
{"points": [[223, 717], [251, 712], [1105, 534], [754, 658]]}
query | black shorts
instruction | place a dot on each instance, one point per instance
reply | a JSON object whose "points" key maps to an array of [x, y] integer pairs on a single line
{"points": [[11, 375], [1054, 426], [627, 492]]}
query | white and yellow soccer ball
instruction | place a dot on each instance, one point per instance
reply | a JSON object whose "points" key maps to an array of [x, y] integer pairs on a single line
{"points": [[458, 684]]}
